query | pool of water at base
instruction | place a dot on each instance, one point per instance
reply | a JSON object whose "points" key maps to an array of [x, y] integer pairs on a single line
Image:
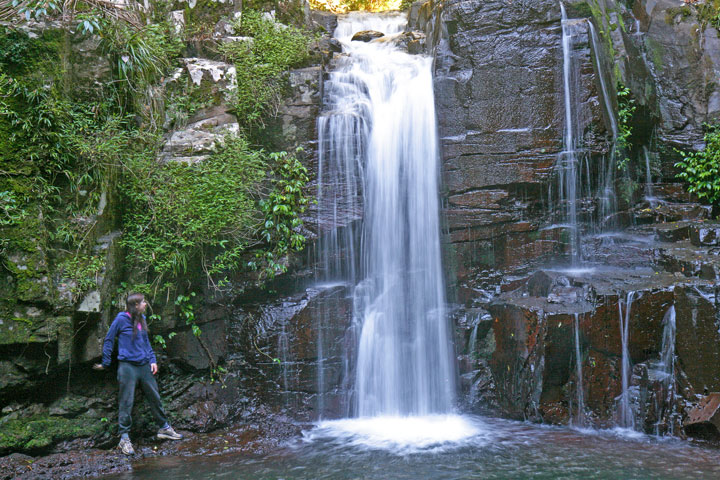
{"points": [[477, 447]]}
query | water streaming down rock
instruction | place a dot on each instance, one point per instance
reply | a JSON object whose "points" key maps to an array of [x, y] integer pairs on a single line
{"points": [[568, 162], [579, 419], [667, 364], [379, 139], [606, 183], [625, 418], [577, 177], [649, 196]]}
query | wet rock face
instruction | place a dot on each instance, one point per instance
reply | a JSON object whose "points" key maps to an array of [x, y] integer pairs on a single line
{"points": [[698, 336], [704, 420], [500, 107], [301, 348], [534, 364], [682, 59]]}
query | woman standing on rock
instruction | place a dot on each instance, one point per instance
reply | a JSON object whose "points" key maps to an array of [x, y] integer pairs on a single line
{"points": [[137, 363]]}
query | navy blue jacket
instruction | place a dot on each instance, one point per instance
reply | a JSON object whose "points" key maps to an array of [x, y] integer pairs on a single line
{"points": [[136, 350]]}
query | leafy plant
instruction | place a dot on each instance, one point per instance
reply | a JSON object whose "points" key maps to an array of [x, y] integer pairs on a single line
{"points": [[83, 270], [10, 211], [626, 109], [702, 169], [182, 214], [260, 64], [138, 56], [282, 209], [36, 8]]}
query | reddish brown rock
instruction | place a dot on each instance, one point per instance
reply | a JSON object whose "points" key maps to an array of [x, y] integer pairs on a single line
{"points": [[698, 338], [704, 419]]}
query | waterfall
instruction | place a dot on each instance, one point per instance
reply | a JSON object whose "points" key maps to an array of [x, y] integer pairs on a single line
{"points": [[667, 364], [625, 415], [378, 143], [608, 197], [600, 72], [649, 197], [568, 159], [579, 392], [573, 163]]}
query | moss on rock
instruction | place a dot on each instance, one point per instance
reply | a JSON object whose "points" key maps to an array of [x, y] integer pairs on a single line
{"points": [[39, 432]]}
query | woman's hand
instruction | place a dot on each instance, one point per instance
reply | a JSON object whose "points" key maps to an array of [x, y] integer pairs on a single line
{"points": [[153, 368], [98, 367]]}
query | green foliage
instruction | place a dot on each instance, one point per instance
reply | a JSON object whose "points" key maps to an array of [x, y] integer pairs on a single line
{"points": [[36, 8], [60, 154], [183, 103], [160, 340], [10, 211], [40, 432], [626, 109], [405, 5], [138, 56], [702, 169], [709, 13], [16, 50], [83, 270], [183, 214], [187, 312], [282, 209], [260, 65]]}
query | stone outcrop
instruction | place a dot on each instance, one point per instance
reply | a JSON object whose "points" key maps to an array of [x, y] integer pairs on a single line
{"points": [[366, 36]]}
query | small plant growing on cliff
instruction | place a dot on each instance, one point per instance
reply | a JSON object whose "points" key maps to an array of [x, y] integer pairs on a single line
{"points": [[282, 209], [702, 169], [626, 109]]}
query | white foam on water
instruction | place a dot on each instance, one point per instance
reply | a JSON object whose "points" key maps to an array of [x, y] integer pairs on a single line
{"points": [[403, 435]]}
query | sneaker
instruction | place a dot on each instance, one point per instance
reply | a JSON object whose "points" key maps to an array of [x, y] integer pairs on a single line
{"points": [[169, 434], [126, 447]]}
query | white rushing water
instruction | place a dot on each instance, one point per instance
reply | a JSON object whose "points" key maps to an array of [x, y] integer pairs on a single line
{"points": [[579, 389], [379, 145], [666, 401], [649, 196], [625, 417], [568, 162]]}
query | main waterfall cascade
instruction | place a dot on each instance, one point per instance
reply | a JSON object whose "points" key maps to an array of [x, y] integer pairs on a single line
{"points": [[379, 153]]}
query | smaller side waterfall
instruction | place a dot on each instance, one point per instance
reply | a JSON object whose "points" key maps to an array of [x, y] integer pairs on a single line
{"points": [[625, 415], [649, 196], [568, 162], [600, 72], [606, 184], [667, 354], [579, 419], [667, 364]]}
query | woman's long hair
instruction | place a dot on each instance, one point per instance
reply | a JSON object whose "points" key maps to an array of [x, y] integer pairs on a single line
{"points": [[133, 301]]}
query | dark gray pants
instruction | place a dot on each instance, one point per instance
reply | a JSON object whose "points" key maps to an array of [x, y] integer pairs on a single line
{"points": [[128, 377]]}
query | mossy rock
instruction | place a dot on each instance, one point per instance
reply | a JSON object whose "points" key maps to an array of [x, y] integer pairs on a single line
{"points": [[39, 432]]}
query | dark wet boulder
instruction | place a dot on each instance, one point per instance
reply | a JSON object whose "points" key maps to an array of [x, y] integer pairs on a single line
{"points": [[704, 420], [705, 235], [366, 36]]}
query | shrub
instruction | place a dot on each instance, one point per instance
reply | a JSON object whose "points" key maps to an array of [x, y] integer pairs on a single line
{"points": [[180, 214], [260, 65], [702, 169]]}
